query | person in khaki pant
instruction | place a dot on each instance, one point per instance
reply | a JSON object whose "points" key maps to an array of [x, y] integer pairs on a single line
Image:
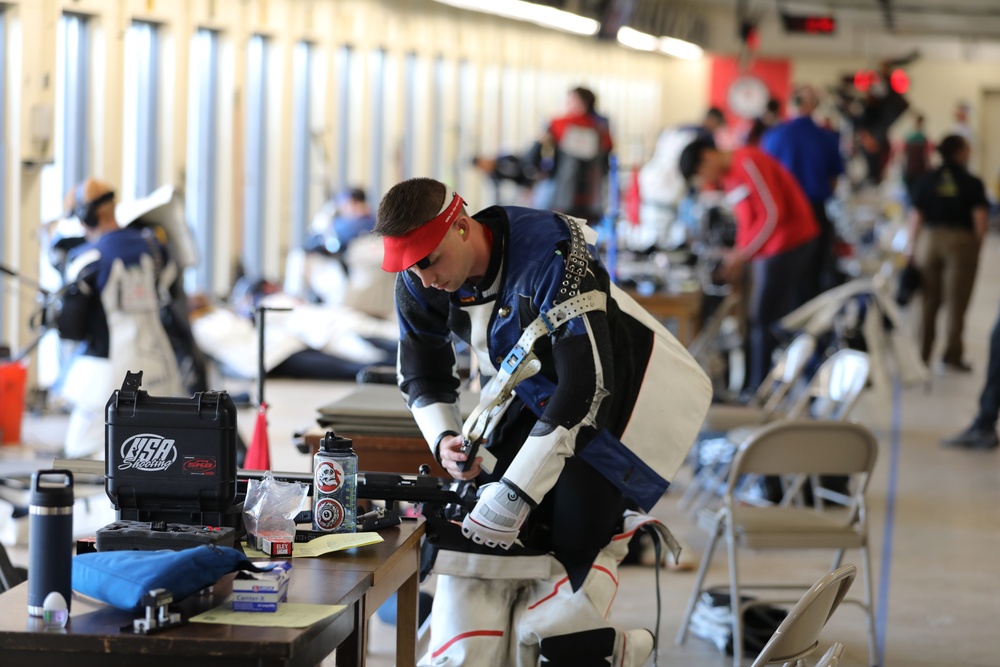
{"points": [[947, 226]]}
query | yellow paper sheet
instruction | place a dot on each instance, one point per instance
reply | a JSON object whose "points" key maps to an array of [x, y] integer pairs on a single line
{"points": [[289, 615], [324, 545]]}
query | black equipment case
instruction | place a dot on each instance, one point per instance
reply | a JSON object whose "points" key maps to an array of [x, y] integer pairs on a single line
{"points": [[171, 459]]}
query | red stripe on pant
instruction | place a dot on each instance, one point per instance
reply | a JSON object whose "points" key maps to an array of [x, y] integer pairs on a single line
{"points": [[466, 635]]}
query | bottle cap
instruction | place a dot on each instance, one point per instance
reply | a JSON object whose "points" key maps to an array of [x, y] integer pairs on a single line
{"points": [[334, 443], [47, 493]]}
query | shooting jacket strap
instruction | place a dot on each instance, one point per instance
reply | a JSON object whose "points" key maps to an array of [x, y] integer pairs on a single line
{"points": [[576, 263], [521, 363]]}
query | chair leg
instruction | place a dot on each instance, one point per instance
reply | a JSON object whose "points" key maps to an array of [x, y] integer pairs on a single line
{"points": [[734, 601], [869, 606], [713, 487], [694, 488], [837, 560], [706, 559], [9, 576]]}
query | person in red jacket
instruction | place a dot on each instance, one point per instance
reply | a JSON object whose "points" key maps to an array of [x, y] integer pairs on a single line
{"points": [[580, 143], [776, 233]]}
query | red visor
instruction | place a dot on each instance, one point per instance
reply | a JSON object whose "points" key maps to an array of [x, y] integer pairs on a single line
{"points": [[402, 252]]}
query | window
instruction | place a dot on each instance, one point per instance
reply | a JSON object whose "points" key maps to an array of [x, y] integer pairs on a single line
{"points": [[254, 182], [376, 77], [3, 161], [141, 148], [75, 156], [437, 117], [466, 112], [410, 115], [70, 165], [302, 58], [200, 181], [343, 117]]}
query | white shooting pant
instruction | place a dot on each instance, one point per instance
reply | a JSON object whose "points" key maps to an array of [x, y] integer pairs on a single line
{"points": [[484, 617]]}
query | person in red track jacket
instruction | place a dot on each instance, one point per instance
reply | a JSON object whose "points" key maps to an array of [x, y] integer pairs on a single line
{"points": [[776, 234]]}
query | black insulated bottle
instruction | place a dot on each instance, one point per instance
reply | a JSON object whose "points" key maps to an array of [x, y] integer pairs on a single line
{"points": [[50, 538]]}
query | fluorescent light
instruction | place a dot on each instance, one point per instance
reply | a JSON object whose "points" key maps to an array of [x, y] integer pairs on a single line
{"points": [[542, 15], [637, 40], [668, 45], [680, 49]]}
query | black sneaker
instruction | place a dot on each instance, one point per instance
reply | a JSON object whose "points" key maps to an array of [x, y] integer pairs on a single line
{"points": [[960, 367], [974, 438]]}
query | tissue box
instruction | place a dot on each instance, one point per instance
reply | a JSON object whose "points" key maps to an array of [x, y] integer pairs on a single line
{"points": [[261, 591]]}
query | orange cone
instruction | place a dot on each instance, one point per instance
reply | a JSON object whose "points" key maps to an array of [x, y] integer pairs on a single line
{"points": [[258, 454]]}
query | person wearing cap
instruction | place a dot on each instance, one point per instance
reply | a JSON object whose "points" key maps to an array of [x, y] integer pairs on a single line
{"points": [[812, 155], [116, 283], [606, 406], [776, 234]]}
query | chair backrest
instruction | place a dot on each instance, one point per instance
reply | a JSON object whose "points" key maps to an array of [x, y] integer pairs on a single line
{"points": [[808, 448], [832, 656], [835, 388], [798, 634], [785, 373]]}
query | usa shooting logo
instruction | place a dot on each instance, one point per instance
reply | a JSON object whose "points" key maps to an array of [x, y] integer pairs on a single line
{"points": [[149, 452]]}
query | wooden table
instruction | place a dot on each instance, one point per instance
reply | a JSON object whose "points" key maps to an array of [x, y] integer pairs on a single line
{"points": [[93, 636], [361, 578], [394, 566], [685, 307]]}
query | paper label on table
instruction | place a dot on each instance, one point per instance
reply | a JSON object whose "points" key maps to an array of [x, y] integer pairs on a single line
{"points": [[335, 542], [288, 615], [324, 545]]}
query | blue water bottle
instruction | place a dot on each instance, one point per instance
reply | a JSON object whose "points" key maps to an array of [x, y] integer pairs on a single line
{"points": [[50, 539], [335, 485]]}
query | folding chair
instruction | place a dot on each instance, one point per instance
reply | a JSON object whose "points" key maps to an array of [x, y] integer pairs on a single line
{"points": [[832, 656], [831, 394], [766, 403], [798, 634], [10, 576], [797, 450]]}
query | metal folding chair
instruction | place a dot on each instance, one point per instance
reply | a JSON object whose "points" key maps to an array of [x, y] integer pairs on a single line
{"points": [[798, 450]]}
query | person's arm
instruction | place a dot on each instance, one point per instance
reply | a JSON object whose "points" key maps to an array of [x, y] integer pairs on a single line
{"points": [[79, 297], [980, 211], [766, 211], [426, 363], [980, 220]]}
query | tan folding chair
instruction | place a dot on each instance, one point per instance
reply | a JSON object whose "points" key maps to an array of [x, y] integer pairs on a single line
{"points": [[832, 657], [766, 403], [797, 450], [798, 634], [831, 394]]}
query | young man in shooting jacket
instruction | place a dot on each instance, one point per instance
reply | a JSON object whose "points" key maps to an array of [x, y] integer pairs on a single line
{"points": [[116, 283], [607, 404]]}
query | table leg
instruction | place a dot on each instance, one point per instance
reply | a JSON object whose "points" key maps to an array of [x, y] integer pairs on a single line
{"points": [[351, 653], [406, 622]]}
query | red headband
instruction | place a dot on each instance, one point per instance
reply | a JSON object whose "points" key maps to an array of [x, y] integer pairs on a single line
{"points": [[402, 252]]}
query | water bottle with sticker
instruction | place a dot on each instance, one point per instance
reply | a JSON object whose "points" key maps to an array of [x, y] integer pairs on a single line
{"points": [[335, 485]]}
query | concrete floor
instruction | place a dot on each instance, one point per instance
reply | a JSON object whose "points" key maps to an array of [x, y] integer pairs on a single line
{"points": [[935, 527]]}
